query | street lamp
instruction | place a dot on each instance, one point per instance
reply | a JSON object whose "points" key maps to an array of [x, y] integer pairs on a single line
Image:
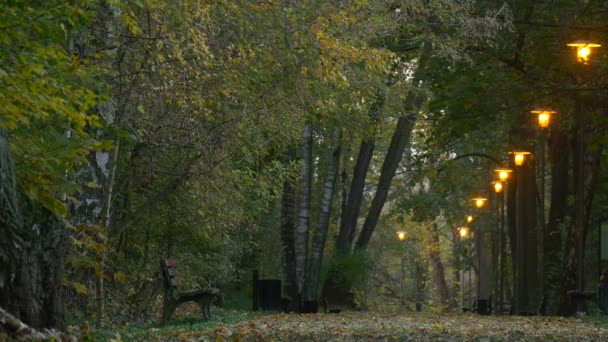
{"points": [[583, 49], [401, 235], [464, 232], [498, 187], [479, 202], [544, 116], [519, 157], [503, 174], [469, 219]]}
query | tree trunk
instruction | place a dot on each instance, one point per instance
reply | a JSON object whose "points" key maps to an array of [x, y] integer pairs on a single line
{"points": [[558, 157], [437, 266], [301, 236], [288, 256], [348, 222], [316, 254], [32, 254], [399, 141]]}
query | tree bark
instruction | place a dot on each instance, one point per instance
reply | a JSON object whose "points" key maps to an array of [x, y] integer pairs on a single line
{"points": [[316, 254], [288, 256], [32, 254], [301, 236], [348, 223], [559, 152], [437, 266], [399, 141]]}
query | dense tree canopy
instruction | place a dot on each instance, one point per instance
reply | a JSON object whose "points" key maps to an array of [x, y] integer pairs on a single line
{"points": [[296, 138]]}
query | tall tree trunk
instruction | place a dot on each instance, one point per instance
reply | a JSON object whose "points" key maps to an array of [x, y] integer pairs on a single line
{"points": [[348, 222], [350, 214], [558, 157], [301, 236], [288, 256], [399, 141], [437, 266], [106, 219], [318, 244], [32, 254]]}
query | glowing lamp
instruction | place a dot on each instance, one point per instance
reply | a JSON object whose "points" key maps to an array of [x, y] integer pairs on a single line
{"points": [[464, 231], [583, 49], [544, 117], [469, 219], [519, 157], [479, 202], [401, 236], [498, 186], [503, 174]]}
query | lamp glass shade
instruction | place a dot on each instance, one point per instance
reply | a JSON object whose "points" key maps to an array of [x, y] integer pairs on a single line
{"points": [[583, 49], [463, 231], [544, 117], [519, 157], [469, 219], [498, 186], [479, 202], [401, 235], [503, 174]]}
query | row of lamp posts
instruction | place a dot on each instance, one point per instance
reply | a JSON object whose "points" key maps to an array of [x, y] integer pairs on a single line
{"points": [[519, 157]]}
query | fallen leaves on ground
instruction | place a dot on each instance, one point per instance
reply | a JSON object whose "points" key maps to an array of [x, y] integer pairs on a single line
{"points": [[378, 327]]}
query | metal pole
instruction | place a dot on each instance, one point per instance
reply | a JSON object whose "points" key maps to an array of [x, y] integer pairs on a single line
{"points": [[402, 285], [501, 252], [541, 230], [496, 254], [580, 206]]}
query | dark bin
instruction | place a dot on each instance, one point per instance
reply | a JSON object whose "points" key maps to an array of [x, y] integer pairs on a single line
{"points": [[269, 292]]}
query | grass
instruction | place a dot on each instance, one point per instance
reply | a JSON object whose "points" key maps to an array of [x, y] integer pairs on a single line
{"points": [[175, 330]]}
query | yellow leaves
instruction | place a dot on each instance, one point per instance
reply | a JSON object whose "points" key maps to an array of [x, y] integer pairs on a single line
{"points": [[351, 326]]}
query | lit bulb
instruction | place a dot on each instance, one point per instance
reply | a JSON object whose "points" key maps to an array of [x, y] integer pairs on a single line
{"points": [[503, 175], [519, 159], [479, 203], [463, 231], [469, 219], [543, 119], [498, 186], [583, 54], [402, 236]]}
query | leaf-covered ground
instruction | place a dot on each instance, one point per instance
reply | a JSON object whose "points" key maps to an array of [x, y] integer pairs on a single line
{"points": [[411, 327]]}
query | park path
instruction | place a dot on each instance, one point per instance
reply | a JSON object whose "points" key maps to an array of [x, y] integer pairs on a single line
{"points": [[411, 327]]}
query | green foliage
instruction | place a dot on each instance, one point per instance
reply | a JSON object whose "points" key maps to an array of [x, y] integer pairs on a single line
{"points": [[348, 269], [46, 95]]}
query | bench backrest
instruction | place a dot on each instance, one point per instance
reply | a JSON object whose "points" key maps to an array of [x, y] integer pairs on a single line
{"points": [[170, 277]]}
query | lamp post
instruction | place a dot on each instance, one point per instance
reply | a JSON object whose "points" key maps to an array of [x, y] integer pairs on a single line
{"points": [[520, 293], [498, 189], [463, 233], [503, 176], [482, 270], [402, 236], [583, 51], [544, 118]]}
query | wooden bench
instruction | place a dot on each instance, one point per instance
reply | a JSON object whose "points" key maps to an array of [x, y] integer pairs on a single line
{"points": [[172, 298]]}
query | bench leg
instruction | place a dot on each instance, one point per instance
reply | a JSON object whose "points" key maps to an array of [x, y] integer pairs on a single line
{"points": [[168, 309], [205, 304]]}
